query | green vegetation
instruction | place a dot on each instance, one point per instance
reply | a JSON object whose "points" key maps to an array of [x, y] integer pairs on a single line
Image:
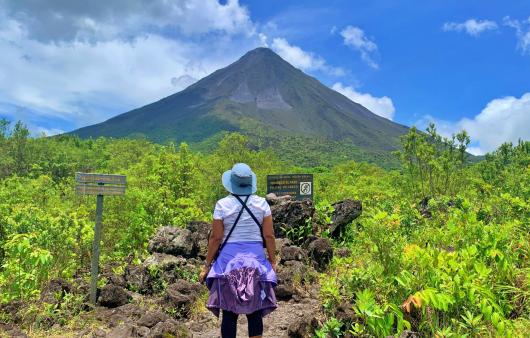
{"points": [[442, 247]]}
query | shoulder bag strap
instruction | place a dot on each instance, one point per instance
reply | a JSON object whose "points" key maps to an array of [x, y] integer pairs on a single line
{"points": [[231, 229], [251, 215]]}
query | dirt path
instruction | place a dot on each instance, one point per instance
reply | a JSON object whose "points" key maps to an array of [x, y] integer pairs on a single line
{"points": [[275, 325]]}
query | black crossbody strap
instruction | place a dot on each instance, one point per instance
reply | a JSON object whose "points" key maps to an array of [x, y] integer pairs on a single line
{"points": [[248, 210], [231, 229], [251, 215]]}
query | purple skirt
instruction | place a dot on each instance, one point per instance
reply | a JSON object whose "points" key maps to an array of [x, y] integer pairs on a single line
{"points": [[242, 280]]}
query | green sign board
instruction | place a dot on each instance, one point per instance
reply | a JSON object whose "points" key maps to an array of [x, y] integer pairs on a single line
{"points": [[298, 186]]}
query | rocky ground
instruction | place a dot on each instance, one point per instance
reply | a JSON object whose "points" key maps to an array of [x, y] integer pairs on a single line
{"points": [[160, 296]]}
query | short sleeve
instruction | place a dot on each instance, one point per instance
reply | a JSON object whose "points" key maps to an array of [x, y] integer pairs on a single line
{"points": [[266, 208], [218, 212]]}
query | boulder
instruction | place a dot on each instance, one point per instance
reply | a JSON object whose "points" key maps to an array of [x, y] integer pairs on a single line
{"points": [[14, 310], [163, 261], [273, 199], [303, 327], [151, 318], [290, 274], [181, 295], [344, 213], [113, 296], [292, 253], [281, 243], [200, 231], [113, 278], [343, 252], [138, 279], [141, 331], [130, 310], [174, 241], [164, 269], [125, 330], [7, 330], [169, 328], [309, 240], [291, 214], [99, 333], [55, 290], [320, 252]]}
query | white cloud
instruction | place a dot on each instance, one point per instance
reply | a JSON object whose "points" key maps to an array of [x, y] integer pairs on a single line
{"points": [[114, 66], [382, 106], [504, 119], [472, 27], [356, 38], [41, 131], [522, 30], [302, 59], [97, 20]]}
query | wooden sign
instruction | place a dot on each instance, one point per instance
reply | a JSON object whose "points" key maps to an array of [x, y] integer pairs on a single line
{"points": [[104, 190], [100, 179], [298, 186], [99, 185]]}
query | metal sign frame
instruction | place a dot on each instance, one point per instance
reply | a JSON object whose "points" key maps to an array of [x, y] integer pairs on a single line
{"points": [[99, 185], [298, 186]]}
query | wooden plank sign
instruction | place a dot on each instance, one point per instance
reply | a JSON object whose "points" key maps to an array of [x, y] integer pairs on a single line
{"points": [[298, 186], [106, 190], [100, 179], [100, 185]]}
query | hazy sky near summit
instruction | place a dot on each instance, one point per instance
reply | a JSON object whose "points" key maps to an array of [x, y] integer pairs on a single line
{"points": [[463, 64]]}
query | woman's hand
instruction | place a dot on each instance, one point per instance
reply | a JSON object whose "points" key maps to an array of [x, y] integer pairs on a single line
{"points": [[273, 263], [204, 273]]}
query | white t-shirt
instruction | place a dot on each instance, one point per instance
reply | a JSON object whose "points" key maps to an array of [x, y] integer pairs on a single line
{"points": [[246, 230]]}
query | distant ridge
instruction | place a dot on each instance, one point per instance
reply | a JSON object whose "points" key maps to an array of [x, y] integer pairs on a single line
{"points": [[258, 91]]}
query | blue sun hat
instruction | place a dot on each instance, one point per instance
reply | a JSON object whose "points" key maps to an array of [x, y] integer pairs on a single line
{"points": [[240, 180]]}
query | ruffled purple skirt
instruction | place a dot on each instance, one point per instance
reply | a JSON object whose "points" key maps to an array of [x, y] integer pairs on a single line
{"points": [[242, 280]]}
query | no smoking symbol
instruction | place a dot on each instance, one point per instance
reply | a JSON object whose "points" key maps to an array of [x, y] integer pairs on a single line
{"points": [[305, 188]]}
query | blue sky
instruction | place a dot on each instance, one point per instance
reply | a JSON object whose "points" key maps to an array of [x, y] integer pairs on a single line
{"points": [[462, 64]]}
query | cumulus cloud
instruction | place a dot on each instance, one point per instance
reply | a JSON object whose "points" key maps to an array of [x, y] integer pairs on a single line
{"points": [[472, 27], [522, 30], [505, 119], [382, 106], [96, 20], [356, 38], [303, 59], [81, 63]]}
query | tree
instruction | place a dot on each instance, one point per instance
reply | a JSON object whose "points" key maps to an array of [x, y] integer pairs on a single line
{"points": [[433, 164], [19, 148]]}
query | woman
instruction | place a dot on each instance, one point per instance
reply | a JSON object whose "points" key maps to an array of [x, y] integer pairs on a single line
{"points": [[239, 277]]}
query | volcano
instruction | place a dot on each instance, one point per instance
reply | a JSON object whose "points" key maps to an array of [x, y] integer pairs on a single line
{"points": [[260, 91]]}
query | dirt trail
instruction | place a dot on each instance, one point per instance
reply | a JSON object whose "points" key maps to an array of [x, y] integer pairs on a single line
{"points": [[275, 325]]}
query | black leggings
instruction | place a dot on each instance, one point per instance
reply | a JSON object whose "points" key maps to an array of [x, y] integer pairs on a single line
{"points": [[229, 324]]}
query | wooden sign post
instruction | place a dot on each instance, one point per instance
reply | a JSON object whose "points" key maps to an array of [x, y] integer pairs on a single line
{"points": [[99, 185], [298, 186]]}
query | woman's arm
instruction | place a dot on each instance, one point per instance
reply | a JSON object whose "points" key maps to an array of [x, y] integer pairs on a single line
{"points": [[213, 245], [270, 240]]}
